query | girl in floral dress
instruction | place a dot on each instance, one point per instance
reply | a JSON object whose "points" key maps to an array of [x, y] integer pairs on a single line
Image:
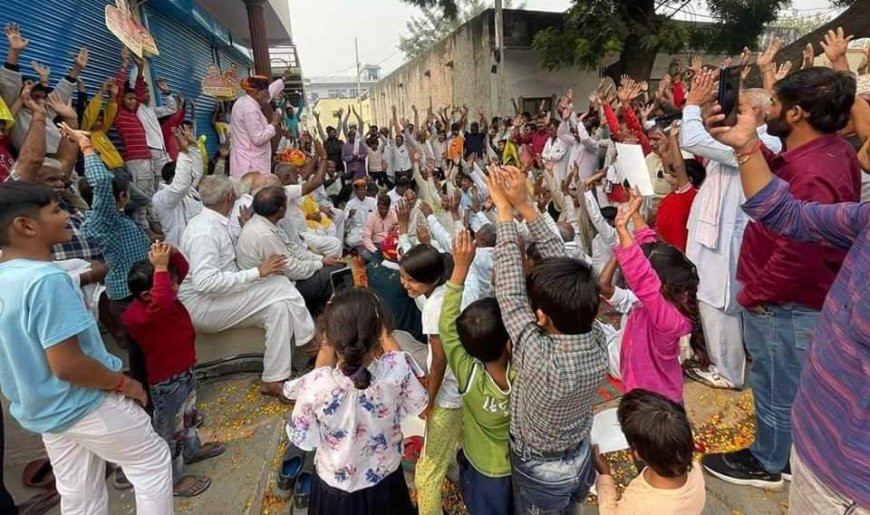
{"points": [[350, 408]]}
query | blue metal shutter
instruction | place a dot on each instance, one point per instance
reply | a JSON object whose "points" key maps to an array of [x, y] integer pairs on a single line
{"points": [[183, 61], [57, 29]]}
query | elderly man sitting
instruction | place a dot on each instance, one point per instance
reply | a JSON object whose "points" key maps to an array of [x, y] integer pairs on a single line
{"points": [[262, 237], [294, 222], [219, 295]]}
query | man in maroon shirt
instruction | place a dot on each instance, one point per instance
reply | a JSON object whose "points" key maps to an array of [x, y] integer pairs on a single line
{"points": [[784, 282]]}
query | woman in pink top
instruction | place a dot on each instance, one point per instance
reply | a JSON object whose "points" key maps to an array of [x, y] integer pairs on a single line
{"points": [[665, 283], [251, 134]]}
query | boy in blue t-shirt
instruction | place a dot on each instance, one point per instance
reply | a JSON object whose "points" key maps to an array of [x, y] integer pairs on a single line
{"points": [[55, 370]]}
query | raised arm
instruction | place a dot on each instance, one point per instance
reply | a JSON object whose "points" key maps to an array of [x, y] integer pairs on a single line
{"points": [[188, 170], [33, 150]]}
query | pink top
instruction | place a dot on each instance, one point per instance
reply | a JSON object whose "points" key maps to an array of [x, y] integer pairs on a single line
{"points": [[649, 356], [375, 229], [251, 135]]}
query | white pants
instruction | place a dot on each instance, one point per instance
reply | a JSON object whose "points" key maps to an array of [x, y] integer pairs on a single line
{"points": [[354, 239], [323, 245], [724, 335], [274, 304], [338, 221], [142, 174], [613, 337], [159, 158], [119, 431]]}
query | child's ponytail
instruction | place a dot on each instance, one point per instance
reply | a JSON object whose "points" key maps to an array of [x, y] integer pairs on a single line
{"points": [[354, 322]]}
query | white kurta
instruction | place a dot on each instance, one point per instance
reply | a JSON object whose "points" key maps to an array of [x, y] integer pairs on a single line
{"points": [[355, 221], [294, 225], [174, 202], [219, 296]]}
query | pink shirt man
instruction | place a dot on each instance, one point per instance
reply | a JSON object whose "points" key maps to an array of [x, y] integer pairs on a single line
{"points": [[376, 228], [251, 134]]}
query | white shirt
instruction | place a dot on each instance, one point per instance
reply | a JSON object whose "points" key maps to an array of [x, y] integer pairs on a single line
{"points": [[235, 227], [395, 197], [363, 208], [400, 159], [174, 203], [606, 239], [213, 270], [260, 238], [293, 222], [478, 283], [357, 433], [556, 151], [148, 117], [448, 394]]}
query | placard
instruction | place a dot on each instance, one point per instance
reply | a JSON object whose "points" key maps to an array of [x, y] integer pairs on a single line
{"points": [[121, 22], [632, 164]]}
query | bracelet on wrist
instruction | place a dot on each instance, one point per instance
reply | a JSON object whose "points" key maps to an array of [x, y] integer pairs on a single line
{"points": [[743, 157]]}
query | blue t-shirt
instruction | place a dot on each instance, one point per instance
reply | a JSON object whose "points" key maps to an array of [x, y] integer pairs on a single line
{"points": [[40, 307]]}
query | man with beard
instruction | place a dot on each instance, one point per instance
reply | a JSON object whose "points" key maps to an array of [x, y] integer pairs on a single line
{"points": [[784, 282]]}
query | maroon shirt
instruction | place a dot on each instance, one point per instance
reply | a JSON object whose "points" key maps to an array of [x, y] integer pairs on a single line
{"points": [[537, 139], [777, 270], [163, 327]]}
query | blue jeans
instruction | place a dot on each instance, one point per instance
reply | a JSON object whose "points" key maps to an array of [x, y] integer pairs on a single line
{"points": [[175, 418], [483, 494], [777, 341], [548, 486]]}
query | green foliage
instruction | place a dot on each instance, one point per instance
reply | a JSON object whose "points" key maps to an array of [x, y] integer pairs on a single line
{"points": [[434, 24], [590, 30]]}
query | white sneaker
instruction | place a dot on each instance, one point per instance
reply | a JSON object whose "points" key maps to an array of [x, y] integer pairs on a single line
{"points": [[711, 379]]}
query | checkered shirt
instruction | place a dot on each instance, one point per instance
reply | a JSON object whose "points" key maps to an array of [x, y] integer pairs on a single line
{"points": [[79, 246], [559, 375], [120, 239]]}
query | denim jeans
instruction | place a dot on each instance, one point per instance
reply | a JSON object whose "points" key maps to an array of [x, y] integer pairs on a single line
{"points": [[175, 418], [777, 341], [483, 494], [544, 486]]}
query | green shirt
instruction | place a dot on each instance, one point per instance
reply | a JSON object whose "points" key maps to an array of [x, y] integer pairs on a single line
{"points": [[485, 406]]}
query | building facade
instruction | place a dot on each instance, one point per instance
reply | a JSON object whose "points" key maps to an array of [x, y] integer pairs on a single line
{"points": [[318, 88]]}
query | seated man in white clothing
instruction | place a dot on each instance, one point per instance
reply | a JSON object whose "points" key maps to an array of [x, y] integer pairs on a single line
{"points": [[261, 237], [175, 201], [293, 222], [245, 189], [356, 212], [219, 295]]}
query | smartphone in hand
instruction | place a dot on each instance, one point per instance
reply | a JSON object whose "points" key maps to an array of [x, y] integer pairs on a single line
{"points": [[729, 93]]}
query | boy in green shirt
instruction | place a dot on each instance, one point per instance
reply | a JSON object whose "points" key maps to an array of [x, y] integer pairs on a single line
{"points": [[478, 351]]}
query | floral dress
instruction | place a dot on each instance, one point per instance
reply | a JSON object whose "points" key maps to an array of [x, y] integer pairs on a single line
{"points": [[357, 433]]}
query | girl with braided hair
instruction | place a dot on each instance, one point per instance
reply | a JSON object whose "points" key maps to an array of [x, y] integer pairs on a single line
{"points": [[665, 283], [350, 407]]}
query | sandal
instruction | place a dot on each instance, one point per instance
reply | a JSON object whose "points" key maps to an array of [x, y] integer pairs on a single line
{"points": [[207, 451], [120, 481], [302, 490], [199, 421], [39, 504], [200, 484], [277, 395], [38, 473], [291, 466]]}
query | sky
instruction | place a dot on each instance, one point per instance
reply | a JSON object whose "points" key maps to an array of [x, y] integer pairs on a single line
{"points": [[324, 30]]}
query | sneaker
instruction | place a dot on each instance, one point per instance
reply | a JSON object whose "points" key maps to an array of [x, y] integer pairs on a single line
{"points": [[711, 379], [741, 468]]}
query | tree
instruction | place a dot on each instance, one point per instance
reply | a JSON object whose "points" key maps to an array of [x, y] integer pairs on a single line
{"points": [[637, 30], [802, 24], [437, 21]]}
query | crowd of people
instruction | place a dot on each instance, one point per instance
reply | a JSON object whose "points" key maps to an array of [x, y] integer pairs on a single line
{"points": [[489, 250]]}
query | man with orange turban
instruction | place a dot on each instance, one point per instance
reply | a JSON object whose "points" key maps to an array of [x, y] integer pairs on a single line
{"points": [[250, 132]]}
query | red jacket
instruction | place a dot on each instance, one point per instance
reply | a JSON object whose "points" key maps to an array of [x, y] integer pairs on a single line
{"points": [[777, 270], [163, 327]]}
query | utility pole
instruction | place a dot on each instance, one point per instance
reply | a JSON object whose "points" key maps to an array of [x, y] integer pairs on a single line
{"points": [[358, 72], [499, 48]]}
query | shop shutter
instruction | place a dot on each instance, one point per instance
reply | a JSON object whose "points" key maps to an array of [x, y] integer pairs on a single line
{"points": [[183, 61], [226, 58], [57, 29]]}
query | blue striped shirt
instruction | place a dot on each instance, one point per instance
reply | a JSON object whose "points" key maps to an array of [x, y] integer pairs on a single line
{"points": [[831, 412], [120, 239]]}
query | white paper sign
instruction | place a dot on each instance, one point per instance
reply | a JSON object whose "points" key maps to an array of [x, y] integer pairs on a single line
{"points": [[606, 432], [632, 164]]}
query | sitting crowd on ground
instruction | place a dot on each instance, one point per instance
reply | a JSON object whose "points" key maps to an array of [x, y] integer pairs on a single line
{"points": [[493, 245]]}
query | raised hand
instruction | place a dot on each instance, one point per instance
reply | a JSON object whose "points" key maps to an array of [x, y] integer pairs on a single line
{"points": [[82, 138], [423, 234], [835, 45], [696, 64], [742, 135], [403, 215], [35, 107], [515, 186], [16, 42], [463, 250], [745, 56], [183, 136], [809, 56], [158, 255], [782, 70], [496, 190], [703, 88], [163, 86], [81, 60], [44, 72], [764, 60], [426, 209], [272, 265], [62, 108]]}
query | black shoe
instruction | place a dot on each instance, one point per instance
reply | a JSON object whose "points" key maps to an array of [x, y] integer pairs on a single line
{"points": [[786, 472], [741, 468]]}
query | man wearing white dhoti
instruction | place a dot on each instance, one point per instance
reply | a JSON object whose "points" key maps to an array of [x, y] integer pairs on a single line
{"points": [[219, 296]]}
